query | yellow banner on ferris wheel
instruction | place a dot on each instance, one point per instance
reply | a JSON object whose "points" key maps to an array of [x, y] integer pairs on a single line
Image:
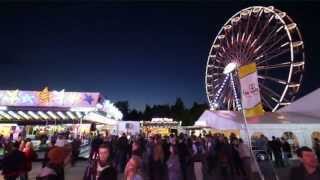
{"points": [[250, 92]]}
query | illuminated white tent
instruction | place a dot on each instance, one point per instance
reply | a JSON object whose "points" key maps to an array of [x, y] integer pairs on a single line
{"points": [[270, 124], [218, 120], [308, 105]]}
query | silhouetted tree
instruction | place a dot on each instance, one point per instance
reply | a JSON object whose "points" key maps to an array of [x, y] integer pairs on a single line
{"points": [[134, 115], [147, 114], [123, 106]]}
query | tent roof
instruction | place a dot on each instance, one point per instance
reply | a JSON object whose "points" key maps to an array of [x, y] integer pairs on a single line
{"points": [[232, 119], [218, 119], [308, 105]]}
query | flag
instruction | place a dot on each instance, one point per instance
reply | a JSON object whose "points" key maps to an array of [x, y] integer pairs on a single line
{"points": [[250, 93]]}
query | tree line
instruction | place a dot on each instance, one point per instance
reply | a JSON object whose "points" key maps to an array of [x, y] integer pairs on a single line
{"points": [[178, 111]]}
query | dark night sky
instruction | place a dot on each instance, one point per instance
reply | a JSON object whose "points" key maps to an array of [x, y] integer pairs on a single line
{"points": [[146, 53]]}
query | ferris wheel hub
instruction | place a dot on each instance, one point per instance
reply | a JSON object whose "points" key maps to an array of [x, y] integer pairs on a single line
{"points": [[230, 67]]}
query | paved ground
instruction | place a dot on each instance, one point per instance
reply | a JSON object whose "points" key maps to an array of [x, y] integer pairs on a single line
{"points": [[76, 172]]}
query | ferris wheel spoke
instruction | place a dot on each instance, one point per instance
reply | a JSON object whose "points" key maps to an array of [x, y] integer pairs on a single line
{"points": [[255, 25], [277, 80], [274, 66], [271, 48], [258, 37], [265, 88], [273, 56], [248, 23], [270, 36], [266, 102]]}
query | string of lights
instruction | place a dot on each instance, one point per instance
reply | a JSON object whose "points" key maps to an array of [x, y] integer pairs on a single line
{"points": [[216, 97], [238, 104]]}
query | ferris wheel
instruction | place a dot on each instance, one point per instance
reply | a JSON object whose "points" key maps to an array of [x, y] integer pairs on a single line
{"points": [[266, 36]]}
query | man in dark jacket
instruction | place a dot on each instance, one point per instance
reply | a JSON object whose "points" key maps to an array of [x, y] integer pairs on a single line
{"points": [[13, 163], [123, 150], [309, 167], [102, 168]]}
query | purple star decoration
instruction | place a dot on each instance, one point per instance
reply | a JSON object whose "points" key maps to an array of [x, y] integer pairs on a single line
{"points": [[88, 98]]}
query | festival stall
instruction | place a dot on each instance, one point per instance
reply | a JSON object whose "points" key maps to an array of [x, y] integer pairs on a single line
{"points": [[51, 111], [163, 126]]}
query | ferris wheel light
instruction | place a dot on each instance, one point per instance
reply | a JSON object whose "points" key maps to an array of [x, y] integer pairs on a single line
{"points": [[229, 68], [215, 105]]}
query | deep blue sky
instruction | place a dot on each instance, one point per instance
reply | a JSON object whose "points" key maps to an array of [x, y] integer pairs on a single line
{"points": [[146, 53]]}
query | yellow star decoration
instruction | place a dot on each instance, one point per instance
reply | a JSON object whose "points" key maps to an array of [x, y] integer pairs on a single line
{"points": [[44, 96]]}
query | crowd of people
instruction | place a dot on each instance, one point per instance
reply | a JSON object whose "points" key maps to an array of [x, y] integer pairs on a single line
{"points": [[171, 157], [19, 155], [174, 157]]}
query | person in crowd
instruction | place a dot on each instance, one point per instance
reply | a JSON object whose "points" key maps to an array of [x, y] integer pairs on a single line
{"points": [[316, 147], [136, 148], [183, 154], [157, 164], [54, 169], [238, 167], [96, 142], [244, 154], [133, 170], [165, 146], [13, 162], [276, 150], [173, 164], [30, 156], [210, 153], [76, 143], [223, 155], [22, 145], [197, 158], [101, 168], [286, 151], [122, 151], [309, 166]]}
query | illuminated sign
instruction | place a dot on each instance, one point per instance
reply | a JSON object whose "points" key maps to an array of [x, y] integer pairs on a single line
{"points": [[48, 98]]}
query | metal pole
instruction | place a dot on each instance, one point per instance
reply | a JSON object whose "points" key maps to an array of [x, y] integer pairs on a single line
{"points": [[253, 156], [250, 145]]}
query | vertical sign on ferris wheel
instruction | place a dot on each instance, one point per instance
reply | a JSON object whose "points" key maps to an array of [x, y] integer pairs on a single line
{"points": [[250, 93]]}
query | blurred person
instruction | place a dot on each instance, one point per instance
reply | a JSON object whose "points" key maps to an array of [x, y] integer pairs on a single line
{"points": [[30, 156], [54, 169], [22, 145], [309, 166], [96, 142], [173, 164], [132, 170], [245, 156], [157, 164], [76, 143], [101, 168], [136, 148], [286, 151], [316, 147], [122, 151], [13, 162], [197, 158], [276, 150], [183, 154]]}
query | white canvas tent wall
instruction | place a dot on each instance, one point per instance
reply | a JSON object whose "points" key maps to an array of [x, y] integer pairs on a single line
{"points": [[271, 124]]}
